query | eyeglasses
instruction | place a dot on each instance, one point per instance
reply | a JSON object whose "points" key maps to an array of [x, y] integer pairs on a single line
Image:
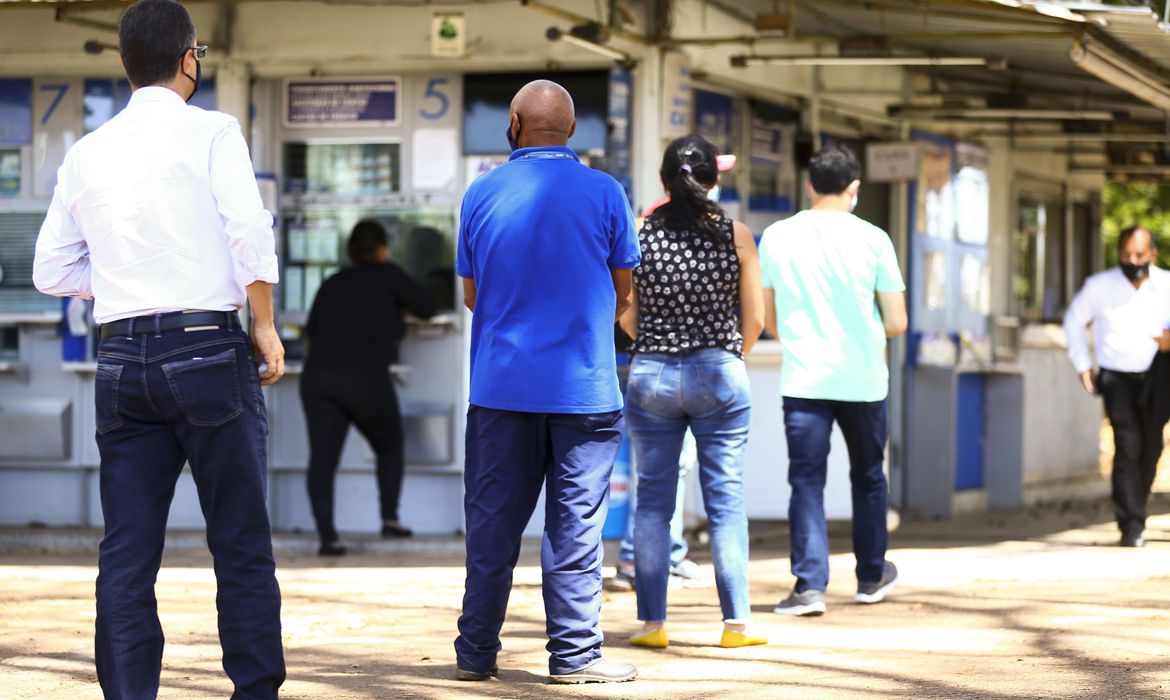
{"points": [[200, 51]]}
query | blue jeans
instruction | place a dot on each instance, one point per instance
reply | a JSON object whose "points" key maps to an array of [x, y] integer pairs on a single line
{"points": [[809, 424], [163, 399], [678, 542], [510, 456], [706, 390]]}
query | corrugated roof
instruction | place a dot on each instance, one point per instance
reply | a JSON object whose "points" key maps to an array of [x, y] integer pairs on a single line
{"points": [[1034, 38]]}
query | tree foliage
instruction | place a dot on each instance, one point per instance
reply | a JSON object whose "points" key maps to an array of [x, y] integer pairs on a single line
{"points": [[1145, 204]]}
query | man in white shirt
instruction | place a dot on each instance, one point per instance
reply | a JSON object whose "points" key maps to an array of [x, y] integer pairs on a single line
{"points": [[1129, 308], [833, 294], [157, 216]]}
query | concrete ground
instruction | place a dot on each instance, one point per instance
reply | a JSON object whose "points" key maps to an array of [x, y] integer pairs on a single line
{"points": [[1036, 604]]}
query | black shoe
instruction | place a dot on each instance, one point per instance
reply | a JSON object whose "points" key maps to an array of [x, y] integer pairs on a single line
{"points": [[396, 529], [601, 671], [870, 592], [465, 675], [331, 549], [1133, 540]]}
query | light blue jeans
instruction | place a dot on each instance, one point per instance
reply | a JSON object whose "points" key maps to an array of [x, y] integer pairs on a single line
{"points": [[678, 542], [706, 390]]}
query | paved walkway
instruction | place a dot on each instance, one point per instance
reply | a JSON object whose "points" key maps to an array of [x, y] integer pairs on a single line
{"points": [[1037, 604]]}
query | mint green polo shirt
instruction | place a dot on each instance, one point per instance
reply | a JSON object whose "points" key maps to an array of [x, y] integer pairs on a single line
{"points": [[824, 268]]}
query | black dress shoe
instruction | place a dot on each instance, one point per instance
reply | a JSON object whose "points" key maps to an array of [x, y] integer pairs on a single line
{"points": [[331, 549], [396, 530], [1133, 540]]}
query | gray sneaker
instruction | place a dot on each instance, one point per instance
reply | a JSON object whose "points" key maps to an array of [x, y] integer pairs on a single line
{"points": [[870, 592], [465, 675], [623, 579], [808, 603], [601, 671]]}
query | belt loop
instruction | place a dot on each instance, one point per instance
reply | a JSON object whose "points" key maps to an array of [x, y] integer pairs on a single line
{"points": [[158, 325], [130, 328]]}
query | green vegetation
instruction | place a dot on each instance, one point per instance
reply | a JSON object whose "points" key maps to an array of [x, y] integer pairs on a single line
{"points": [[1144, 203]]}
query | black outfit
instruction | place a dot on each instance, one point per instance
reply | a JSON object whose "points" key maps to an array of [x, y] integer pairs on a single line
{"points": [[1137, 440], [691, 285], [353, 332]]}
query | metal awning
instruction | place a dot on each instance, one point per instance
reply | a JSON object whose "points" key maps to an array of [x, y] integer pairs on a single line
{"points": [[1026, 46]]}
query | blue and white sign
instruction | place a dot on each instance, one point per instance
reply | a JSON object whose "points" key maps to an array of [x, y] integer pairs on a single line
{"points": [[16, 112], [342, 102]]}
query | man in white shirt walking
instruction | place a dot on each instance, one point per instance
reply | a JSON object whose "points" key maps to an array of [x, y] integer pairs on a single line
{"points": [[157, 217], [833, 294], [1129, 308]]}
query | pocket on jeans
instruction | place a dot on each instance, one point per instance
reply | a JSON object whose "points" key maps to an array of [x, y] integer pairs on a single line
{"points": [[726, 383], [641, 387], [105, 394], [206, 389]]}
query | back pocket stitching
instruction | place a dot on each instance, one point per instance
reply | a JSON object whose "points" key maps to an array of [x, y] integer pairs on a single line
{"points": [[227, 357], [114, 374]]}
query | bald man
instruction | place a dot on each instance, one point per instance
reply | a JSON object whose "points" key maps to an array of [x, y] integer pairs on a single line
{"points": [[1129, 308], [546, 245]]}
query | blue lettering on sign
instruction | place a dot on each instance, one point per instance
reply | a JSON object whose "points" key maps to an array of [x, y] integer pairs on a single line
{"points": [[342, 102], [60, 89], [432, 93], [15, 112]]}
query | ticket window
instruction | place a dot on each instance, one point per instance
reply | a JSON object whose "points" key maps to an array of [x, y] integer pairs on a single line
{"points": [[338, 185]]}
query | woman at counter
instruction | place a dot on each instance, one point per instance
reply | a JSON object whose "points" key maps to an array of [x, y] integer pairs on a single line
{"points": [[353, 332], [698, 267]]}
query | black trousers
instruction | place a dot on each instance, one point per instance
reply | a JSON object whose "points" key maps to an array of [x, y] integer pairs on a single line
{"points": [[1137, 445], [333, 399]]}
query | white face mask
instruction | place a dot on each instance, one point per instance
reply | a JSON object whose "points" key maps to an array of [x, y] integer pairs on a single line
{"points": [[713, 193], [853, 204]]}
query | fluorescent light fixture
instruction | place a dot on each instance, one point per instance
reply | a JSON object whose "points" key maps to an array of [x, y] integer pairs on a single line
{"points": [[747, 60], [554, 34], [1121, 73], [975, 113]]}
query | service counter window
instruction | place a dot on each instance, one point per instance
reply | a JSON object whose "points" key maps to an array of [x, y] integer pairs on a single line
{"points": [[10, 173], [18, 237], [422, 242], [1040, 271], [487, 98], [342, 169]]}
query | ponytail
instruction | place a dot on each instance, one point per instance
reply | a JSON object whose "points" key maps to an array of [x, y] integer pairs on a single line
{"points": [[689, 171]]}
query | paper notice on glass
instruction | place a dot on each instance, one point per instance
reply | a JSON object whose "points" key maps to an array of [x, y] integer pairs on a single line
{"points": [[974, 278], [312, 283], [936, 280], [434, 158], [323, 243], [294, 288], [297, 243]]}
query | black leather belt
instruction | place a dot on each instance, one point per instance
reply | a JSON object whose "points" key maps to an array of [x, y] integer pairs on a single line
{"points": [[173, 321]]}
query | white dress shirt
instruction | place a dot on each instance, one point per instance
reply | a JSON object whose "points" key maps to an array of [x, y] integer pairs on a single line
{"points": [[157, 210], [1125, 320]]}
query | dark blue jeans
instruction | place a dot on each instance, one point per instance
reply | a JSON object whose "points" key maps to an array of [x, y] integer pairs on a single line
{"points": [[163, 399], [809, 424], [510, 456]]}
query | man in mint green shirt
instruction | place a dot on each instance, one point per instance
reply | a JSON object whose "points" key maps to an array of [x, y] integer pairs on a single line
{"points": [[833, 293]]}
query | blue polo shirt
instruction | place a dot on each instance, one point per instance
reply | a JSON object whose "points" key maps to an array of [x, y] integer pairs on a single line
{"points": [[539, 236]]}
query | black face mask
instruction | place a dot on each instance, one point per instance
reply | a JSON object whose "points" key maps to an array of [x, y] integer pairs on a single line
{"points": [[197, 79], [1135, 273], [513, 141]]}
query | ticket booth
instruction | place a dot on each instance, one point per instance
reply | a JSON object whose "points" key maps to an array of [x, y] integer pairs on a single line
{"points": [[332, 152]]}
